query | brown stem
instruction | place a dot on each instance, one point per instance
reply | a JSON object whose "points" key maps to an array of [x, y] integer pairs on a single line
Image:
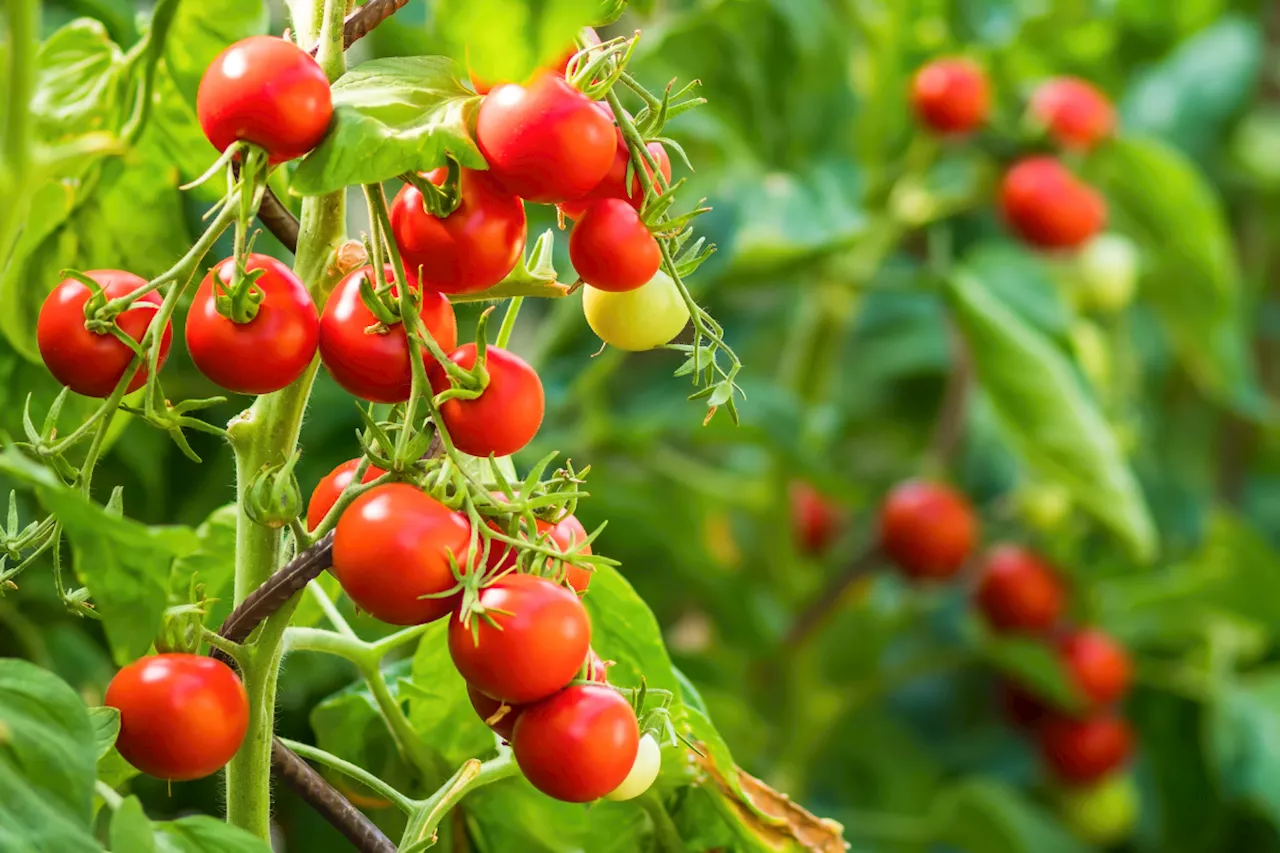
{"points": [[282, 586], [279, 220], [325, 799], [830, 598], [955, 398], [362, 21]]}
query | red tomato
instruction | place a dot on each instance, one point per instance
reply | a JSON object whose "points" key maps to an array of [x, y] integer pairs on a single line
{"points": [[814, 518], [614, 184], [486, 707], [546, 142], [472, 248], [1098, 665], [1023, 709], [181, 716], [612, 249], [564, 535], [1019, 592], [1075, 113], [1083, 751], [392, 548], [579, 744], [927, 529], [505, 417], [267, 91], [532, 640], [951, 95], [375, 366], [560, 66], [86, 362], [1048, 206], [331, 488], [271, 350]]}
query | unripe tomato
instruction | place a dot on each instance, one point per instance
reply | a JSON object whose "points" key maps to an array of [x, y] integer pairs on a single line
{"points": [[1107, 274], [471, 249], [644, 771], [579, 744], [1048, 206], [1098, 665], [814, 518], [546, 142], [1017, 591], [331, 488], [612, 249], [1104, 813], [267, 91], [951, 95], [393, 547], [927, 529], [1084, 751], [87, 362], [506, 415], [371, 361], [560, 66], [487, 708], [531, 641], [1074, 112], [181, 716], [1044, 506], [270, 351], [640, 319]]}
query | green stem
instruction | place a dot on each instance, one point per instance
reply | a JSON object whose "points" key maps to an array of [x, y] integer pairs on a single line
{"points": [[411, 744], [471, 775], [267, 434], [359, 774], [509, 322], [23, 19], [109, 795], [664, 828]]}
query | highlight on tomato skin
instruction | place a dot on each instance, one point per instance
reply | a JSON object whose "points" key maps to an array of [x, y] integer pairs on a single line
{"points": [[330, 488], [1048, 207], [1018, 592], [951, 95], [1074, 111], [927, 529], [507, 414]]}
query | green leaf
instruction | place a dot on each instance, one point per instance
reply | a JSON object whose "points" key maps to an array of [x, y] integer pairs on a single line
{"points": [[131, 829], [1032, 664], [1244, 735], [392, 116], [106, 726], [212, 565], [79, 87], [1020, 280], [980, 816], [1055, 427], [1193, 278], [512, 815], [624, 630], [439, 709], [132, 832], [349, 725], [47, 751]]}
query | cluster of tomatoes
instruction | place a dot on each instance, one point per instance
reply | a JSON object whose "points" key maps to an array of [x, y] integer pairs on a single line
{"points": [[1041, 199]]}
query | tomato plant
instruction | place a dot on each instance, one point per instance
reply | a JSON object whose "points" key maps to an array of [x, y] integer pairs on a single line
{"points": [[506, 414], [611, 248]]}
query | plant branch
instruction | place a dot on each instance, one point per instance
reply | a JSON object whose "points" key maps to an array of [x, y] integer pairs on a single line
{"points": [[830, 598], [362, 21], [421, 831], [325, 799], [949, 427]]}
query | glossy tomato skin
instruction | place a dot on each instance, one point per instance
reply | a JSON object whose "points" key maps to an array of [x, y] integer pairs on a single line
{"points": [[487, 708], [614, 184], [506, 416], [815, 519], [271, 350], [1048, 207], [267, 91], [1084, 751], [181, 716], [471, 249], [86, 362], [375, 367], [612, 249], [951, 95], [578, 744], [1076, 114], [1019, 592], [640, 319], [927, 529], [1098, 665], [540, 646], [393, 546], [546, 142], [329, 489]]}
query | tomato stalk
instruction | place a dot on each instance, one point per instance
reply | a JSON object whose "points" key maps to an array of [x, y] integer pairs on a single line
{"points": [[421, 831], [24, 27]]}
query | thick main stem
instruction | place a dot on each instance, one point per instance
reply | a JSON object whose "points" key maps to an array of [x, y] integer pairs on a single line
{"points": [[23, 22], [267, 434]]}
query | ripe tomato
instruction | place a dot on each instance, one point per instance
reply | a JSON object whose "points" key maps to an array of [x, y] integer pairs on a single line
{"points": [[578, 744], [1022, 708], [487, 708], [393, 547], [469, 250], [560, 66], [1098, 665], [546, 142], [271, 350], [181, 716], [331, 488], [927, 529], [644, 771], [814, 518], [267, 91], [951, 95], [86, 362], [1019, 592], [565, 534], [531, 642], [1048, 206], [1083, 751], [375, 365], [614, 184], [1103, 814], [505, 416], [1074, 112], [639, 319], [612, 249]]}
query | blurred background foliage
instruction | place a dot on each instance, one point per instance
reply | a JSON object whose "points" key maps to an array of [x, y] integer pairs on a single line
{"points": [[832, 216]]}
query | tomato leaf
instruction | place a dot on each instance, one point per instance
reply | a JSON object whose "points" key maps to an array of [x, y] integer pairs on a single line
{"points": [[392, 116], [512, 815], [131, 830], [106, 726], [439, 709], [211, 566], [1244, 722], [980, 816], [1054, 426], [47, 753], [1033, 664]]}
